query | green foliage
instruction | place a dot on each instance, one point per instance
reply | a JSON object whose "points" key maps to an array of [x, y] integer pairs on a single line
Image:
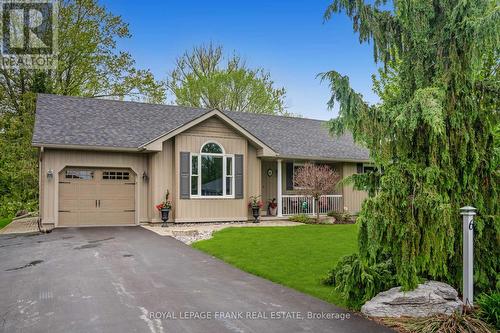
{"points": [[89, 64], [358, 281], [18, 161], [4, 221], [455, 323], [366, 181], [301, 218], [203, 78], [341, 217], [489, 308], [434, 134]]}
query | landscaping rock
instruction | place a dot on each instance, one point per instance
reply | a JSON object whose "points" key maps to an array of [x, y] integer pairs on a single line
{"points": [[21, 212], [427, 299], [191, 236]]}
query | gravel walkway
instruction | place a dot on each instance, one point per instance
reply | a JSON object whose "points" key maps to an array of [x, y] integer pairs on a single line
{"points": [[192, 232]]}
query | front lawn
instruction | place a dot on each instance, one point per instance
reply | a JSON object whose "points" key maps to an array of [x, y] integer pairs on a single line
{"points": [[293, 256], [4, 221]]}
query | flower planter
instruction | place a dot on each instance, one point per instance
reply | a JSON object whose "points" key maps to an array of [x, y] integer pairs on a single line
{"points": [[273, 211], [164, 216], [256, 214]]}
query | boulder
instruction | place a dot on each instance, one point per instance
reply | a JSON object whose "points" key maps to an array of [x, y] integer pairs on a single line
{"points": [[21, 212], [429, 298]]}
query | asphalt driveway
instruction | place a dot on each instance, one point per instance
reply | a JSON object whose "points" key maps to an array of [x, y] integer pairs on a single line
{"points": [[128, 279]]}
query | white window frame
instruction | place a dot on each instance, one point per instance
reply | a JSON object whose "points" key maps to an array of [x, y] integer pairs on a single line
{"points": [[224, 173], [198, 176]]}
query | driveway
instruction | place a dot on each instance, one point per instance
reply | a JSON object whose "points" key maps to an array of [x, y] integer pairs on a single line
{"points": [[128, 279]]}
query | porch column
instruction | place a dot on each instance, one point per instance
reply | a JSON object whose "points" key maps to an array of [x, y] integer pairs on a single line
{"points": [[280, 199]]}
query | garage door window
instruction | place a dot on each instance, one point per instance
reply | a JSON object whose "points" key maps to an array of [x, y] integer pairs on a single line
{"points": [[118, 175], [79, 174]]}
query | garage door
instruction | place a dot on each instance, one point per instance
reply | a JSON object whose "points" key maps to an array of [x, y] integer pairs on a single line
{"points": [[91, 196]]}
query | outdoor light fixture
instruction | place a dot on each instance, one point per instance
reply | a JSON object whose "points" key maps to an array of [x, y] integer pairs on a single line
{"points": [[50, 174], [145, 177]]}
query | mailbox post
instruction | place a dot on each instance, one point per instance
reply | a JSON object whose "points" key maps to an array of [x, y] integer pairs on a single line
{"points": [[468, 214]]}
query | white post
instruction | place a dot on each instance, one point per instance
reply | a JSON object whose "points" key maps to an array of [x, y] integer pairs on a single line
{"points": [[280, 195], [468, 213]]}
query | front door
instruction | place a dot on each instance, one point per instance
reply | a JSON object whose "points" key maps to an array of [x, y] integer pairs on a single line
{"points": [[269, 183]]}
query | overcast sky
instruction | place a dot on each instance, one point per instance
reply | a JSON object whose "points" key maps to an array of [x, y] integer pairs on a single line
{"points": [[287, 38]]}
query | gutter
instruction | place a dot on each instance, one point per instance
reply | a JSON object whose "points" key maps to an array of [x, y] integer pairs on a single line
{"points": [[85, 147], [314, 158]]}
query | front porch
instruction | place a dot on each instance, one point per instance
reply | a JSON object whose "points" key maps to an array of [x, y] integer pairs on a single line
{"points": [[278, 183]]}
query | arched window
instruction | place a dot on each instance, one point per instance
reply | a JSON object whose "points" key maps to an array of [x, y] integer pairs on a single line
{"points": [[212, 148], [212, 172]]}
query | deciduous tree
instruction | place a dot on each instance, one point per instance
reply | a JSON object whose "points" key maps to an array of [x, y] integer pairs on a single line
{"points": [[204, 77], [90, 65], [316, 180]]}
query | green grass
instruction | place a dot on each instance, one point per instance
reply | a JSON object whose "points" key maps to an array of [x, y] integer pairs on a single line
{"points": [[4, 221], [297, 257]]}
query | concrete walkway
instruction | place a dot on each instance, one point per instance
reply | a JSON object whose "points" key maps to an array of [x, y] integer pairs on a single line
{"points": [[20, 226], [127, 279]]}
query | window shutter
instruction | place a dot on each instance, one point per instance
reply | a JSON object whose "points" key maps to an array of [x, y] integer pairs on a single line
{"points": [[289, 176], [184, 174], [359, 167], [238, 176]]}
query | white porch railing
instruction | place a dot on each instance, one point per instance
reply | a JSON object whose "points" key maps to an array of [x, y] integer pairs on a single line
{"points": [[301, 204]]}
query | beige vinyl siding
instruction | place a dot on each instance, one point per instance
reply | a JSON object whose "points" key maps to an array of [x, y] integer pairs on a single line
{"points": [[352, 198], [253, 166], [161, 178], [213, 127], [211, 209], [57, 160]]}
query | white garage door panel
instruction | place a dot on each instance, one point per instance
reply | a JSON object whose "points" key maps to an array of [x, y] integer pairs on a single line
{"points": [[96, 197]]}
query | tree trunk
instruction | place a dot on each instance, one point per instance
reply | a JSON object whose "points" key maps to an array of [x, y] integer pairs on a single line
{"points": [[316, 204]]}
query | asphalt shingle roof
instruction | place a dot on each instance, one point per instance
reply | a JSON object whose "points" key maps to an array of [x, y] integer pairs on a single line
{"points": [[65, 120]]}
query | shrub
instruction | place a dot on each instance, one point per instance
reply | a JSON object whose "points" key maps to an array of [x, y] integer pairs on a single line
{"points": [[457, 322], [489, 308], [343, 217], [302, 218], [358, 282]]}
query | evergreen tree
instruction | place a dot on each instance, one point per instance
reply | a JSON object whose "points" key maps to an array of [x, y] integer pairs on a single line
{"points": [[432, 136]]}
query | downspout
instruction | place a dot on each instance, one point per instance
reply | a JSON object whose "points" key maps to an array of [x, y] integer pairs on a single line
{"points": [[40, 183]]}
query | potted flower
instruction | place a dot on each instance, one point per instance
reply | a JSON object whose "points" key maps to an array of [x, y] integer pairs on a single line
{"points": [[272, 207], [164, 208], [255, 204]]}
